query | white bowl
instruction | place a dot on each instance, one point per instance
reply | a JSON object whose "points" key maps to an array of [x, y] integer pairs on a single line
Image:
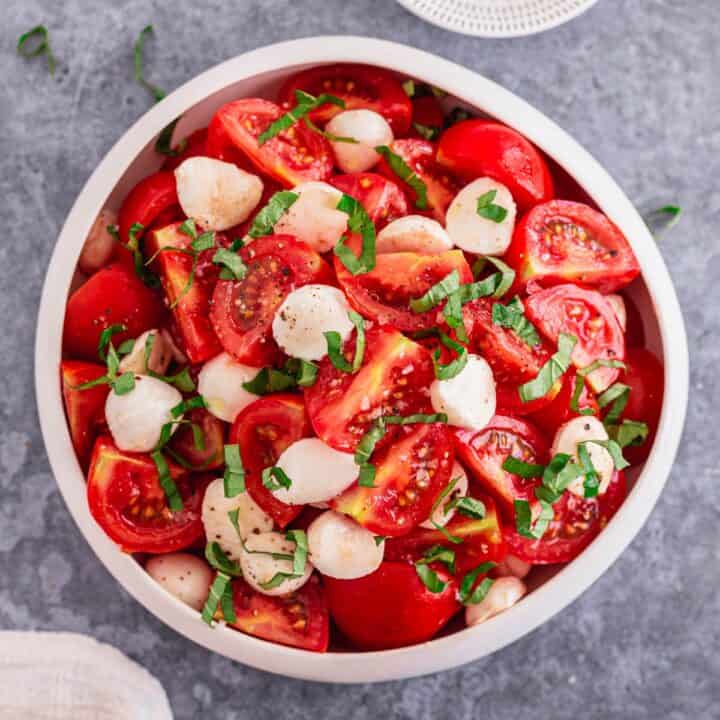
{"points": [[260, 71]]}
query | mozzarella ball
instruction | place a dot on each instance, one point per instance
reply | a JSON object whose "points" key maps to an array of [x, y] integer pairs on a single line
{"points": [[579, 430], [99, 245], [317, 472], [314, 217], [460, 489], [216, 194], [136, 418], [185, 576], [413, 233], [160, 355], [216, 521], [474, 233], [618, 305], [220, 382], [513, 566], [369, 128], [259, 566], [307, 313], [468, 399], [340, 548], [503, 594]]}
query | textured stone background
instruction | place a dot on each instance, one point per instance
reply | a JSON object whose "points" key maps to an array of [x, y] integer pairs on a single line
{"points": [[636, 82]]}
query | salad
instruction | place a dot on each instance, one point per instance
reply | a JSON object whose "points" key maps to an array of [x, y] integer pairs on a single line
{"points": [[351, 363]]}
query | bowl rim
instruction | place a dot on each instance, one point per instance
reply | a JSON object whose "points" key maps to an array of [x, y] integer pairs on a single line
{"points": [[465, 645]]}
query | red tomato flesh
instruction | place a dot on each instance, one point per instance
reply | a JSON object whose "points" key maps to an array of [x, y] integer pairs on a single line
{"points": [[144, 203], [213, 430], [381, 198]]}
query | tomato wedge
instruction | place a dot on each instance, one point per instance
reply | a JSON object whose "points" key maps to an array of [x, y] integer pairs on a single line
{"points": [[291, 157], [391, 607], [420, 156], [299, 620], [484, 148], [85, 409], [393, 380], [195, 146], [112, 296], [213, 430], [242, 311], [562, 241], [410, 474], [151, 196], [359, 86], [384, 293], [127, 501], [263, 430], [588, 316], [382, 199]]}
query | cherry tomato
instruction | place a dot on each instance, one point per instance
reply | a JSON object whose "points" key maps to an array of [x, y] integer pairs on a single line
{"points": [[558, 411], [85, 409], [420, 156], [409, 475], [427, 113], [588, 316], [391, 607], [213, 432], [360, 86], [219, 145], [384, 294], [298, 620], [127, 501], [144, 203], [382, 199], [392, 381], [195, 146], [113, 295], [479, 148], [263, 430], [242, 310], [562, 241], [293, 156]]}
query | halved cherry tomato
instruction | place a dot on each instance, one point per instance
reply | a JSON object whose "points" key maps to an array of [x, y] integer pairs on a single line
{"points": [[557, 412], [291, 157], [190, 301], [127, 501], [427, 113], [151, 196], [263, 430], [360, 86], [391, 607], [85, 409], [113, 295], [562, 241], [588, 316], [485, 451], [513, 361], [384, 294], [420, 156], [298, 620], [577, 522], [409, 475], [195, 145], [242, 311], [479, 148], [220, 146], [393, 380], [213, 431], [482, 540], [382, 199]]}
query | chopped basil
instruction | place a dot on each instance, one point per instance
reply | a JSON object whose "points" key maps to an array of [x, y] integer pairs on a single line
{"points": [[233, 267], [487, 209], [437, 293], [628, 433], [409, 87], [591, 484], [466, 594], [299, 537], [220, 590], [580, 376], [126, 347], [512, 316], [424, 418], [523, 519], [234, 476], [195, 402], [470, 507], [366, 476], [358, 222], [181, 380], [274, 478], [438, 553], [124, 384], [613, 447], [368, 441], [217, 558], [42, 47], [265, 220], [133, 245], [334, 345], [661, 220], [430, 578], [328, 135], [276, 580], [154, 90], [426, 131], [522, 469], [379, 539], [227, 604], [163, 144], [617, 394], [405, 173], [550, 372], [454, 367], [168, 485], [296, 373], [105, 337]]}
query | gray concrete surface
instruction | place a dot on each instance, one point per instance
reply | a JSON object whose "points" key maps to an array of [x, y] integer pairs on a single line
{"points": [[636, 81]]}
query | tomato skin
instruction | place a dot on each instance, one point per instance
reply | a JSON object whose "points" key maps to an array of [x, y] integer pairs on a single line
{"points": [[343, 406], [291, 157], [391, 607], [113, 295], [588, 316], [382, 199], [119, 482], [477, 148], [420, 156], [297, 620], [242, 311], [214, 433], [360, 86], [562, 241], [151, 196], [557, 412], [85, 409], [263, 430], [195, 146], [384, 293]]}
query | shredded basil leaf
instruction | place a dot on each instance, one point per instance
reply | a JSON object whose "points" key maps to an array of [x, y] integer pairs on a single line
{"points": [[470, 507], [234, 476], [124, 384], [296, 373], [218, 590], [615, 451], [172, 494], [163, 144], [437, 293], [358, 222], [105, 337], [334, 345], [522, 469], [661, 220], [41, 34], [550, 372], [523, 519], [438, 553], [454, 367], [265, 220], [426, 131], [512, 316], [487, 209], [368, 441], [618, 394], [430, 578], [217, 558], [591, 483], [405, 173], [466, 595], [233, 267], [328, 135], [154, 90], [274, 478], [301, 550], [580, 376], [379, 539], [366, 476], [628, 433]]}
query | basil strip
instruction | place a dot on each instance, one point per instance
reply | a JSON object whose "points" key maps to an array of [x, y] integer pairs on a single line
{"points": [[591, 484], [366, 477], [430, 578], [580, 376], [487, 209], [470, 507], [466, 595], [133, 245], [39, 32], [163, 144], [615, 452], [628, 433], [296, 373], [217, 591], [274, 478], [217, 558], [426, 131], [512, 316], [368, 441], [617, 394], [334, 345], [329, 136], [234, 476], [405, 173], [299, 537], [233, 267], [124, 384], [172, 493], [437, 293], [523, 519], [105, 338], [438, 553], [550, 372], [264, 222], [522, 469], [456, 366], [358, 222], [154, 90]]}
